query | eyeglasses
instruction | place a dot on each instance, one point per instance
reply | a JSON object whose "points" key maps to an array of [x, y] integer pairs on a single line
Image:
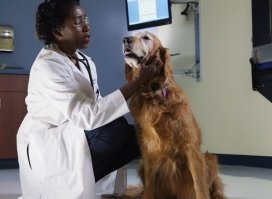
{"points": [[80, 21]]}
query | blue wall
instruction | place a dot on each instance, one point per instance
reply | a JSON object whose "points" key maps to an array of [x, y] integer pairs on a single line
{"points": [[108, 27], [20, 15]]}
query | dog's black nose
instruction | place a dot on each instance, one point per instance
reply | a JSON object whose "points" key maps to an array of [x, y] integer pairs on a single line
{"points": [[127, 40]]}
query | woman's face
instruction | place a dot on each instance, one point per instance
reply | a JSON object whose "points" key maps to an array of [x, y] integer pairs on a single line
{"points": [[74, 34]]}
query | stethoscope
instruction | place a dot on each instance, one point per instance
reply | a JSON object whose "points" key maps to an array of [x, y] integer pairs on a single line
{"points": [[85, 62]]}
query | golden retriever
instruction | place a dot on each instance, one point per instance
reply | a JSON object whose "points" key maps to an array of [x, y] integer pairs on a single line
{"points": [[172, 164]]}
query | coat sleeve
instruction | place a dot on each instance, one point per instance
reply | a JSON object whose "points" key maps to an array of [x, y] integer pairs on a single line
{"points": [[74, 99]]}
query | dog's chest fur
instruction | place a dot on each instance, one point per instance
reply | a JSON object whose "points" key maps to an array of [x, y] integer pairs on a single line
{"points": [[160, 119]]}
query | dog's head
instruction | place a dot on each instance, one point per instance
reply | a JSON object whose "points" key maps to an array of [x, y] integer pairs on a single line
{"points": [[139, 48], [143, 47]]}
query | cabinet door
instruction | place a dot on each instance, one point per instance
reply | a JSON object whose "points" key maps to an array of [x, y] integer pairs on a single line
{"points": [[261, 22], [12, 112]]}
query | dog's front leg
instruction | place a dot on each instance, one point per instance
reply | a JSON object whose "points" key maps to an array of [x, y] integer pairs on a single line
{"points": [[197, 167], [148, 184]]}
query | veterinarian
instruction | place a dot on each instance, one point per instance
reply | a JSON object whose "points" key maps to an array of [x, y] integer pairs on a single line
{"points": [[72, 139]]}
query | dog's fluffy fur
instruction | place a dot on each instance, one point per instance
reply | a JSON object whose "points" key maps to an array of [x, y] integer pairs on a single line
{"points": [[172, 166]]}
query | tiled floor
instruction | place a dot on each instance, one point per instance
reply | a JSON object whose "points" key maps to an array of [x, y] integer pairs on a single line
{"points": [[240, 182], [9, 184]]}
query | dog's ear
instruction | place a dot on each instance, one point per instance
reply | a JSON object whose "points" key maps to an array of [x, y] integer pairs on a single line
{"points": [[165, 58], [162, 53], [130, 72]]}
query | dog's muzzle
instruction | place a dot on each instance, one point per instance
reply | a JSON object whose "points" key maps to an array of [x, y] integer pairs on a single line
{"points": [[128, 52]]}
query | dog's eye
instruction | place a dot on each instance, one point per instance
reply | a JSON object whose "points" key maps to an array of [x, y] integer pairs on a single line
{"points": [[146, 38]]}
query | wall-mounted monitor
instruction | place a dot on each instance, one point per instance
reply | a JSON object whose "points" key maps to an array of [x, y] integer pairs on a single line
{"points": [[147, 13]]}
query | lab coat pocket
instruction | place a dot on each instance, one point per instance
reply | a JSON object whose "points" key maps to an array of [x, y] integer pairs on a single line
{"points": [[27, 153], [48, 154]]}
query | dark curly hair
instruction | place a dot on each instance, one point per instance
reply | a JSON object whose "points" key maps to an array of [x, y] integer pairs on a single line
{"points": [[50, 16]]}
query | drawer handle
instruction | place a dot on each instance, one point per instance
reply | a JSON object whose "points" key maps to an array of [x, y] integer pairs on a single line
{"points": [[0, 102]]}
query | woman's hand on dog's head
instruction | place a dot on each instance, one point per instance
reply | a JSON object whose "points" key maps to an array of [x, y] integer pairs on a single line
{"points": [[150, 69], [146, 73]]}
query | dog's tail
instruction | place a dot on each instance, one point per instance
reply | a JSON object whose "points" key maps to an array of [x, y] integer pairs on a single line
{"points": [[216, 186]]}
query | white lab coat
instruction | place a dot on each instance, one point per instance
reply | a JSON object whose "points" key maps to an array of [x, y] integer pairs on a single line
{"points": [[54, 157]]}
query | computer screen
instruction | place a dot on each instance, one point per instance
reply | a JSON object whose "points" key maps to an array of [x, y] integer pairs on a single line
{"points": [[147, 13]]}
